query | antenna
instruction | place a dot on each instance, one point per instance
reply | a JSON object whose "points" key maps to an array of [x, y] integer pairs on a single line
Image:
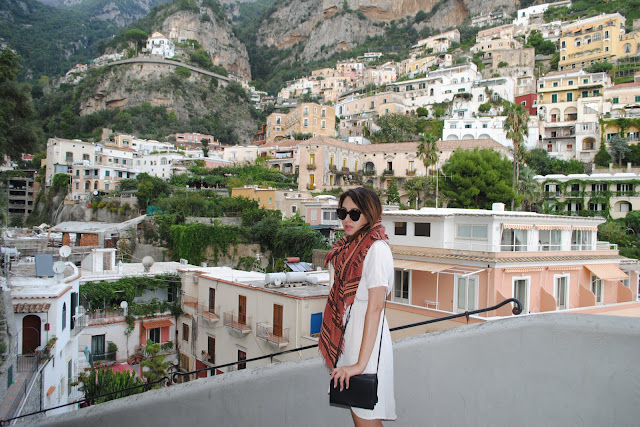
{"points": [[64, 251], [58, 269]]}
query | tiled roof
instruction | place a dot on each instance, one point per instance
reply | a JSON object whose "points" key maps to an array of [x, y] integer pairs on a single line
{"points": [[404, 146], [31, 308], [624, 85]]}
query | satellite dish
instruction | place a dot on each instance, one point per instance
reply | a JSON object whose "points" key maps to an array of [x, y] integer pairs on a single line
{"points": [[124, 304], [58, 267], [95, 192], [64, 251], [277, 282]]}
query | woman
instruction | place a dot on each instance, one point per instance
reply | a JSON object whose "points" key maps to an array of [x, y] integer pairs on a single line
{"points": [[362, 267]]}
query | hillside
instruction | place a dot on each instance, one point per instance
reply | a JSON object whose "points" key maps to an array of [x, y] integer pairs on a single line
{"points": [[50, 40], [118, 12]]}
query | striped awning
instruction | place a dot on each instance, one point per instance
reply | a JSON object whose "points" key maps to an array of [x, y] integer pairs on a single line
{"points": [[585, 227], [522, 269], [160, 323], [553, 227], [431, 267], [564, 267], [607, 271], [517, 226]]}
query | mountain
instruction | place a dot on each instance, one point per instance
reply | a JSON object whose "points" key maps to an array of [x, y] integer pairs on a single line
{"points": [[50, 40], [118, 12]]}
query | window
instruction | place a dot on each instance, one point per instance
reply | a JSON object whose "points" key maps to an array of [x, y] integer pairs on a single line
{"points": [[389, 166], [154, 335], [323, 124], [555, 84], [185, 332], [212, 300], [401, 287], [69, 156], [422, 229], [312, 159], [514, 240], [570, 83], [242, 309], [306, 111], [550, 240], [637, 98], [616, 100], [400, 228], [211, 349], [598, 187], [242, 355], [323, 113], [625, 187], [521, 292], [278, 317], [330, 215], [569, 96], [97, 347], [627, 48], [305, 122], [466, 294], [585, 93], [597, 288], [554, 97], [581, 240], [469, 231], [315, 324], [64, 316], [561, 286], [597, 37], [107, 173]]}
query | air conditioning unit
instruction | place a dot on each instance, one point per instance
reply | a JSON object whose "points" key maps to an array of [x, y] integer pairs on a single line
{"points": [[184, 261]]}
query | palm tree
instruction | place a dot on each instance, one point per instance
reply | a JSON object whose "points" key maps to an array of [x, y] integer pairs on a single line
{"points": [[529, 188], [428, 153], [516, 129]]}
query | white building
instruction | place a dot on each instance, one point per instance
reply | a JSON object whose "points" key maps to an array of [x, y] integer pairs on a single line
{"points": [[527, 16], [240, 154], [49, 320], [158, 44], [485, 128]]}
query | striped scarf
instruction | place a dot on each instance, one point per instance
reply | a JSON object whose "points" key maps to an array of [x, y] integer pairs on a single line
{"points": [[347, 258]]}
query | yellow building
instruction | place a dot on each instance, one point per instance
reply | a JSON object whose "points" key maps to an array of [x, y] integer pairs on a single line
{"points": [[308, 118], [591, 40], [264, 196]]}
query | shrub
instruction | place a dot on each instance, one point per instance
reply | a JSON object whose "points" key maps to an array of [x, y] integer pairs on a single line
{"points": [[503, 64]]}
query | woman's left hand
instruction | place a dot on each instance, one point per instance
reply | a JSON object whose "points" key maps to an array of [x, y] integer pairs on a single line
{"points": [[342, 375]]}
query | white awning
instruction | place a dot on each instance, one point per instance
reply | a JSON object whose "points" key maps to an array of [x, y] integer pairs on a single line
{"points": [[586, 227], [607, 271], [553, 227], [431, 267]]}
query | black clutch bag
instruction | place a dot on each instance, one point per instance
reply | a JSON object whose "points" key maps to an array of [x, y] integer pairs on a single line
{"points": [[363, 388], [362, 392]]}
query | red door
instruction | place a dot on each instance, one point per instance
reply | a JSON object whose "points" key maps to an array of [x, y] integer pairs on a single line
{"points": [[30, 333]]}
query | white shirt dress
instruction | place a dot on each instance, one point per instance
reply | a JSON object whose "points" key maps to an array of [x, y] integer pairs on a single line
{"points": [[377, 270]]}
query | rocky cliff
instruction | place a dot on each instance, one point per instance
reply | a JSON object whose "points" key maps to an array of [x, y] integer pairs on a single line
{"points": [[213, 34], [118, 12], [324, 27]]}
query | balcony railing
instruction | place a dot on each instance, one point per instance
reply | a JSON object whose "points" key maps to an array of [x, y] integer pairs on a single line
{"points": [[311, 166], [265, 331], [410, 172], [311, 187], [388, 172], [189, 301], [80, 323], [241, 324]]}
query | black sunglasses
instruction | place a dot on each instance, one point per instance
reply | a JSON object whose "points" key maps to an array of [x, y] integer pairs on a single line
{"points": [[354, 214]]}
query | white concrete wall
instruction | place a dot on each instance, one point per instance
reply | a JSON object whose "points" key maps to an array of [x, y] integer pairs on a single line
{"points": [[543, 370]]}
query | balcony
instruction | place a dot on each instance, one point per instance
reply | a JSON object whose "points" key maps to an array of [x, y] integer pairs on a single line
{"points": [[388, 172], [238, 326], [80, 322], [264, 330], [311, 187], [410, 172], [311, 166], [548, 374]]}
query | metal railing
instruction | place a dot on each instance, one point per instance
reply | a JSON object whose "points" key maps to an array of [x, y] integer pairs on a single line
{"points": [[180, 377], [264, 330], [237, 322]]}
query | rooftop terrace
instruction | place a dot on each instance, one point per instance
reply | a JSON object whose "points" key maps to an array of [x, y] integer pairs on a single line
{"points": [[553, 369]]}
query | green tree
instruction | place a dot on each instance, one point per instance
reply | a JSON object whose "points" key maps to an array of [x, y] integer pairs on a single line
{"points": [[602, 157], [19, 132], [516, 129], [393, 195], [150, 189], [529, 188], [414, 188], [205, 146], [633, 155], [154, 362], [477, 179], [428, 153], [396, 128], [103, 380], [137, 37], [618, 148], [542, 46]]}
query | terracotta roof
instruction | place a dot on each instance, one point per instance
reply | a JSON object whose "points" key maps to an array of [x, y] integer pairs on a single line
{"points": [[31, 308], [624, 85], [467, 144]]}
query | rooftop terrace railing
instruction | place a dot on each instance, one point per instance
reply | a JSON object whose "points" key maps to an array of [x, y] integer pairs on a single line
{"points": [[179, 377]]}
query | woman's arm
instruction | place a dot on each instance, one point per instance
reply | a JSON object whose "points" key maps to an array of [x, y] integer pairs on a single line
{"points": [[369, 335]]}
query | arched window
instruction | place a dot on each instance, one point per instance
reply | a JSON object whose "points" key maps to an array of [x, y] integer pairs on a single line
{"points": [[87, 185], [627, 48], [64, 315], [163, 161], [95, 185]]}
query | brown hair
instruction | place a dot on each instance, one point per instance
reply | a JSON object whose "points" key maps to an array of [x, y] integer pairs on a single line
{"points": [[368, 202]]}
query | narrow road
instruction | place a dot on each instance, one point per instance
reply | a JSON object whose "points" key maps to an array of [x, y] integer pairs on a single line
{"points": [[220, 77]]}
